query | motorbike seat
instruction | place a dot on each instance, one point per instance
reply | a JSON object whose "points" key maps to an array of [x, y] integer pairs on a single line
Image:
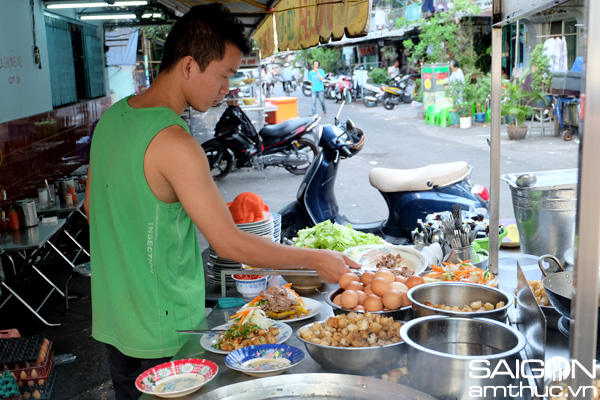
{"points": [[284, 128], [389, 180]]}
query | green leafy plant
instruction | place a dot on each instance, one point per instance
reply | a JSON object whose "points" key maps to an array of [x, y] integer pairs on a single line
{"points": [[481, 91], [462, 95], [516, 102], [378, 76], [541, 76]]}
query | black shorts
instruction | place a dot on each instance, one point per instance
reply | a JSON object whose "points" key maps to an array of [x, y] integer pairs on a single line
{"points": [[124, 370]]}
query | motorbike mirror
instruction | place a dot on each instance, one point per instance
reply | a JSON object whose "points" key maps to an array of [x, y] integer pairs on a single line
{"points": [[339, 111]]}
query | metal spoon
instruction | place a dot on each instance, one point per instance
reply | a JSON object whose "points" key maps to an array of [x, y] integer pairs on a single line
{"points": [[526, 180]]}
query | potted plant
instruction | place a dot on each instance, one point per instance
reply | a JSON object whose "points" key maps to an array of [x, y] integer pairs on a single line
{"points": [[482, 90], [462, 95], [516, 105]]}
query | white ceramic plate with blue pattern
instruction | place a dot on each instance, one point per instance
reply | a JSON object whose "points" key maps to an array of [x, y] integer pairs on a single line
{"points": [[207, 341], [265, 359]]}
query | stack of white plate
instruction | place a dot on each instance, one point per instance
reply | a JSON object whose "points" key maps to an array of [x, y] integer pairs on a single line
{"points": [[276, 228], [216, 264]]}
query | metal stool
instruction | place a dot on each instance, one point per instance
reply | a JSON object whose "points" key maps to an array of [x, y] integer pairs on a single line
{"points": [[83, 270], [542, 114]]}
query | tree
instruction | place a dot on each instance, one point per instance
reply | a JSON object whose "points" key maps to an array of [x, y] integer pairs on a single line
{"points": [[328, 58], [445, 36]]}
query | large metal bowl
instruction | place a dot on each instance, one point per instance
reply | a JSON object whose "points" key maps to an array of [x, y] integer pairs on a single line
{"points": [[458, 294], [354, 360], [454, 346], [403, 314]]}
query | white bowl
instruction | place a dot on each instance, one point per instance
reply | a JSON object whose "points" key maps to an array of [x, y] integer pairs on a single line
{"points": [[250, 288]]}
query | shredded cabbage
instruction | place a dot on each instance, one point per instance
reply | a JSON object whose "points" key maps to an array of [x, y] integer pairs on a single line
{"points": [[332, 236]]}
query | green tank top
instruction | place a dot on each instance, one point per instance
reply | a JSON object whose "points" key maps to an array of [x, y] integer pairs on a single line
{"points": [[147, 279]]}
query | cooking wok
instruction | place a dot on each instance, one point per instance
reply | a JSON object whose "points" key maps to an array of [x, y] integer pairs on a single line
{"points": [[559, 287]]}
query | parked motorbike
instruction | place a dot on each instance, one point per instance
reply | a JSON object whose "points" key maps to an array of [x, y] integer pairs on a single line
{"points": [[342, 90], [290, 144], [372, 95], [410, 194], [401, 90], [328, 81]]}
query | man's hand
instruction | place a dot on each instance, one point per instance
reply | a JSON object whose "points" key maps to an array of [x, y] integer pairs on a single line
{"points": [[330, 265]]}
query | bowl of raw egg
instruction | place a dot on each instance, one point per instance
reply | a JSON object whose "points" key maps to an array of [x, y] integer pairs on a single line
{"points": [[459, 299], [379, 292]]}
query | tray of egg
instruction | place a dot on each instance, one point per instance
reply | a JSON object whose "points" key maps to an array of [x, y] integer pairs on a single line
{"points": [[379, 292]]}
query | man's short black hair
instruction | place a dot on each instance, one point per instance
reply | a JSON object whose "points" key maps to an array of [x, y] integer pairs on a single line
{"points": [[203, 33], [454, 64]]}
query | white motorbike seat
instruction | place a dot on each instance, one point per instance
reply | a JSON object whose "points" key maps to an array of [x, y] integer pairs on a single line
{"points": [[389, 180]]}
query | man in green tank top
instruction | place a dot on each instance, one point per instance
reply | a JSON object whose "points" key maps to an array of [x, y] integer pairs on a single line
{"points": [[149, 187]]}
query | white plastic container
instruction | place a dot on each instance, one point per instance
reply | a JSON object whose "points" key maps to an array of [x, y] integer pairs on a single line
{"points": [[507, 270]]}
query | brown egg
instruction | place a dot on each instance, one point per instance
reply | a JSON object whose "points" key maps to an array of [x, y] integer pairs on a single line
{"points": [[398, 286], [337, 300], [400, 278], [392, 299], [26, 395], [37, 394], [369, 290], [21, 384], [349, 299], [30, 383], [373, 303], [359, 308], [367, 277], [357, 286], [405, 300], [347, 278], [41, 382], [380, 286], [361, 297], [34, 373], [23, 375], [414, 280], [385, 274]]}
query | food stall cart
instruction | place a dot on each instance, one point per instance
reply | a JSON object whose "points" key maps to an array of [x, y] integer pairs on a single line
{"points": [[582, 337]]}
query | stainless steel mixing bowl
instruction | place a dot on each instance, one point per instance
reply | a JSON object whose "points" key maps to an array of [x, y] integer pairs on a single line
{"points": [[458, 294], [355, 360]]}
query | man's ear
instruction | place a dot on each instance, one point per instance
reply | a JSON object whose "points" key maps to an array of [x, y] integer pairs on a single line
{"points": [[187, 65]]}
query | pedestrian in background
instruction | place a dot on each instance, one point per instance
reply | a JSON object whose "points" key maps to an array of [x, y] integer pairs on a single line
{"points": [[316, 78], [394, 70], [457, 72]]}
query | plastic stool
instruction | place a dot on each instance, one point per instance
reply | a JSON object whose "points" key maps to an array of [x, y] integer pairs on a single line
{"points": [[488, 116], [443, 118], [431, 114]]}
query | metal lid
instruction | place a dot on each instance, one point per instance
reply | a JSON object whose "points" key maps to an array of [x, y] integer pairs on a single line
{"points": [[543, 180]]}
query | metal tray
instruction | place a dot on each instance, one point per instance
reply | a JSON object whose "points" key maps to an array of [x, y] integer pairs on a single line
{"points": [[316, 386]]}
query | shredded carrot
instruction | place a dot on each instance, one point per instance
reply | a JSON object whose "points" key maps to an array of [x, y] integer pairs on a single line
{"points": [[243, 312], [287, 285], [257, 298]]}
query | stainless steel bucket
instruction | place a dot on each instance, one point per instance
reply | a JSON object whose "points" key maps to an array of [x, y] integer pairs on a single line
{"points": [[545, 207], [30, 217]]}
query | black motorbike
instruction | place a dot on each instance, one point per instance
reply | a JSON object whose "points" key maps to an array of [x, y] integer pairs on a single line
{"points": [[290, 144]]}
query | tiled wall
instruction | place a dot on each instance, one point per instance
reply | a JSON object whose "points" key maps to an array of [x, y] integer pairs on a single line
{"points": [[44, 146]]}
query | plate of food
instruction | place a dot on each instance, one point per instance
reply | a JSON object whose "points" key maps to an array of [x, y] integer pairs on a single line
{"points": [[284, 304], [402, 260], [265, 359], [460, 272], [176, 378], [252, 328]]}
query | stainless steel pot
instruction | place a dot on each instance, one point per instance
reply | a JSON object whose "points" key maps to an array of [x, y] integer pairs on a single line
{"points": [[29, 212], [454, 346], [458, 294]]}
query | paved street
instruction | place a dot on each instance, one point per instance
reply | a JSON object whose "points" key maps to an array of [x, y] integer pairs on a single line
{"points": [[399, 139]]}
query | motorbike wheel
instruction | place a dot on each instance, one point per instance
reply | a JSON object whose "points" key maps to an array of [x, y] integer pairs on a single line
{"points": [[369, 103], [306, 90], [347, 96], [304, 146], [330, 93], [387, 103], [219, 160]]}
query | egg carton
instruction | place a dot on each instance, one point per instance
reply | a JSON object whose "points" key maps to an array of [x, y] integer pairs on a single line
{"points": [[8, 386], [42, 371], [40, 392], [20, 349]]}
